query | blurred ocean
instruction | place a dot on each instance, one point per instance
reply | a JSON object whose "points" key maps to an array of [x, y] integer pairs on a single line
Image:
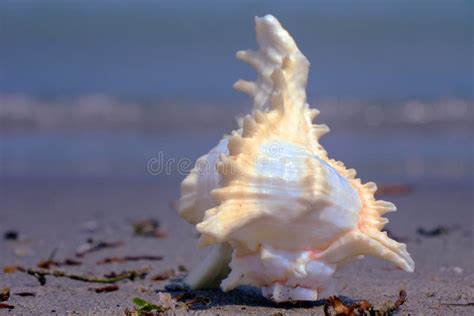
{"points": [[97, 88], [184, 50]]}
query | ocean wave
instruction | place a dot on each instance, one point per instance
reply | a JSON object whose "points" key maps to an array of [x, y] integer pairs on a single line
{"points": [[96, 111]]}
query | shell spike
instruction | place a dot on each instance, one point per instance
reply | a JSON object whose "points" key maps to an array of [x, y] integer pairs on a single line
{"points": [[235, 144], [259, 117], [351, 173], [320, 130], [370, 187], [375, 243], [247, 87], [278, 101], [279, 80], [250, 57], [249, 126], [383, 207], [313, 113]]}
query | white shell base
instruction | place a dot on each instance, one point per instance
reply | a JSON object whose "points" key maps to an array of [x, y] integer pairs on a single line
{"points": [[288, 275], [280, 293]]}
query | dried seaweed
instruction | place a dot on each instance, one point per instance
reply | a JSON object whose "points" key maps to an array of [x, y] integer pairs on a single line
{"points": [[458, 304], [25, 294], [164, 275], [41, 275], [437, 231], [128, 258], [6, 306], [190, 299], [362, 307], [92, 246], [10, 269], [4, 294], [47, 264], [105, 289], [402, 297], [10, 235], [341, 309], [148, 228]]}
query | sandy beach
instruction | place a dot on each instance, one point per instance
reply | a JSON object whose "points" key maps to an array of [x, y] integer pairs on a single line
{"points": [[61, 212]]}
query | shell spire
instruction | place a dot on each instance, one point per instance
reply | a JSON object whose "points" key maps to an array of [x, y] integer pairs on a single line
{"points": [[275, 46], [282, 76]]}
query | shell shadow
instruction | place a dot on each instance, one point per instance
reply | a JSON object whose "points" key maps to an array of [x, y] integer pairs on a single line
{"points": [[242, 296]]}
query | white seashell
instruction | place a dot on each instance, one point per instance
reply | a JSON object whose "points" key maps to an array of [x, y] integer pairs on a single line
{"points": [[269, 194]]}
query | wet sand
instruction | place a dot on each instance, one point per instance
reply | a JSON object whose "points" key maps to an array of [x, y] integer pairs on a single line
{"points": [[53, 212]]}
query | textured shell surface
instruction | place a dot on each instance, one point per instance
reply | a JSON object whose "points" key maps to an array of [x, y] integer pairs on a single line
{"points": [[279, 212]]}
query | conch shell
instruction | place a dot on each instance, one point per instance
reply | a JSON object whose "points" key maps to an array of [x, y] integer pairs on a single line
{"points": [[279, 212]]}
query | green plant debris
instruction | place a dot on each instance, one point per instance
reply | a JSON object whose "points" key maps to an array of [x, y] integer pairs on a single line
{"points": [[164, 304], [41, 275], [143, 307]]}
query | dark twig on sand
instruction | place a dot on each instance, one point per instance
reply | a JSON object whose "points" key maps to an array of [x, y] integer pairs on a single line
{"points": [[41, 275], [105, 289], [25, 294], [6, 306], [128, 258], [458, 304]]}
